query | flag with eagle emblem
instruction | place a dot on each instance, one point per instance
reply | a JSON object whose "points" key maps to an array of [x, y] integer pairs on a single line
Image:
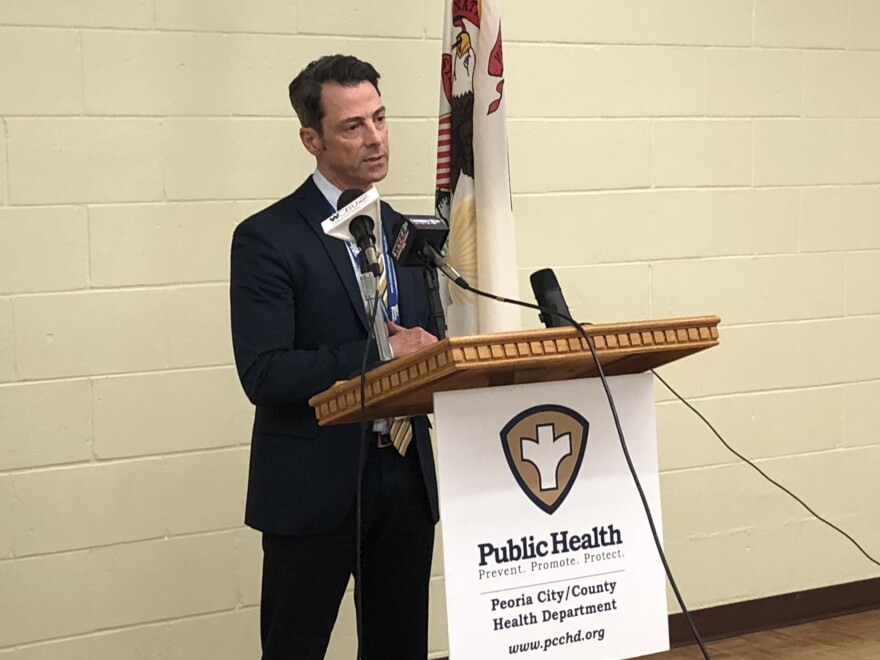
{"points": [[473, 176]]}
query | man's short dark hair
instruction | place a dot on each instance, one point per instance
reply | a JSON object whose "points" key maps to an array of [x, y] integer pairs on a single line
{"points": [[305, 89]]}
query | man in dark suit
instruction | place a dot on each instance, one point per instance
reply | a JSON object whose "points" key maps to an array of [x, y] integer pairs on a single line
{"points": [[299, 323]]}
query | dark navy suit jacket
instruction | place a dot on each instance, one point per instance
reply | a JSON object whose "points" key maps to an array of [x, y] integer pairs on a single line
{"points": [[299, 325]]}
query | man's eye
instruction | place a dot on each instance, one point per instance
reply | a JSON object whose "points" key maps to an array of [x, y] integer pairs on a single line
{"points": [[380, 121]]}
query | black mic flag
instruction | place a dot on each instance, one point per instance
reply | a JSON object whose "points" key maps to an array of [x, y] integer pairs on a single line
{"points": [[419, 241], [417, 238]]}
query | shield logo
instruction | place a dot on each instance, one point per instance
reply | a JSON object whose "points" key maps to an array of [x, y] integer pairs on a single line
{"points": [[544, 447]]}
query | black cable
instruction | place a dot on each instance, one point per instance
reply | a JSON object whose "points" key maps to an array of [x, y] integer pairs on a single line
{"points": [[362, 462], [761, 472], [548, 310]]}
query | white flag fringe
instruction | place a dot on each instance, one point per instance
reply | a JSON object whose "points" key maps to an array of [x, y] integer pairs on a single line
{"points": [[473, 175]]}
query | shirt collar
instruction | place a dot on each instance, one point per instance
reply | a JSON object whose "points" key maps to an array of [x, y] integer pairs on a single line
{"points": [[330, 191]]}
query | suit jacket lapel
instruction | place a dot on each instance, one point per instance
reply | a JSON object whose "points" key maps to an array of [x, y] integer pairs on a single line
{"points": [[315, 209]]}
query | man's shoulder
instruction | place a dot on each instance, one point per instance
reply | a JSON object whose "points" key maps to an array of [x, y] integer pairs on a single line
{"points": [[391, 217], [279, 213], [387, 207]]}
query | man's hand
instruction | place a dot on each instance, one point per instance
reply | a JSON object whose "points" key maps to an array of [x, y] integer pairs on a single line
{"points": [[408, 340]]}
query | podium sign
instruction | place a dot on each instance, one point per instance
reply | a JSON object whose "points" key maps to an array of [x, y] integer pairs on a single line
{"points": [[547, 549]]}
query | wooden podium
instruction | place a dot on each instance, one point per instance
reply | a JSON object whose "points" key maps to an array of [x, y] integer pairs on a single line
{"points": [[508, 516], [405, 386]]}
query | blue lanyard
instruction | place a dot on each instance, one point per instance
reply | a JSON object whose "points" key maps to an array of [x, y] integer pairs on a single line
{"points": [[392, 312]]}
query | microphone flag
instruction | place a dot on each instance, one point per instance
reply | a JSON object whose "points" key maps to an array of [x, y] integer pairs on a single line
{"points": [[337, 225]]}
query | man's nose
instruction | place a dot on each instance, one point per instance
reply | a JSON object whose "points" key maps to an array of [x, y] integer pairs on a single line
{"points": [[372, 133]]}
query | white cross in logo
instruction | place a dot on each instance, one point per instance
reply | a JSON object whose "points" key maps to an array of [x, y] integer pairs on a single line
{"points": [[546, 453]]}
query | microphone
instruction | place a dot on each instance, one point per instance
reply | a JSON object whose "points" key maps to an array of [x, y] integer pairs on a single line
{"points": [[361, 217], [361, 228], [419, 241], [549, 294]]}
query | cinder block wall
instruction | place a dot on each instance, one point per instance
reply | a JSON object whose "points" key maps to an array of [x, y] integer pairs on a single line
{"points": [[669, 157], [685, 157]]}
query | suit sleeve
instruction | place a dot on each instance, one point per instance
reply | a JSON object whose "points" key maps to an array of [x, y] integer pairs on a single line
{"points": [[272, 370]]}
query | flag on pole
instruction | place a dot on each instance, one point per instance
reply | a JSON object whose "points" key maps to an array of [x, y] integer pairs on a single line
{"points": [[473, 175]]}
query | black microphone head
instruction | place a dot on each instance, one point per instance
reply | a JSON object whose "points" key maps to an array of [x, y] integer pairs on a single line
{"points": [[361, 228], [543, 280], [548, 294], [348, 196]]}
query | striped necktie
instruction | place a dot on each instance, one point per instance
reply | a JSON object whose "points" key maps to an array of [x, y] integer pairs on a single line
{"points": [[401, 427]]}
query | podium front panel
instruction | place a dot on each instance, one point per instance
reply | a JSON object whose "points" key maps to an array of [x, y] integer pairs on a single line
{"points": [[547, 548]]}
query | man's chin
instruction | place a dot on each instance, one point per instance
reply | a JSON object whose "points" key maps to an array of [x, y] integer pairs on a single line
{"points": [[378, 172]]}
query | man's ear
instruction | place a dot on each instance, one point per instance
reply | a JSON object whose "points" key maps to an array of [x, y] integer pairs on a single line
{"points": [[311, 140]]}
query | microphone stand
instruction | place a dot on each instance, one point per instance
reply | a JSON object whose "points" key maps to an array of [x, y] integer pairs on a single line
{"points": [[371, 292], [432, 285]]}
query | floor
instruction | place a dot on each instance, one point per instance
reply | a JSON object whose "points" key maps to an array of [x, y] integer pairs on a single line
{"points": [[844, 638]]}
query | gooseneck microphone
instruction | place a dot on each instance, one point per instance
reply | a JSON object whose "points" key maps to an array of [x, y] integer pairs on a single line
{"points": [[361, 228], [548, 294]]}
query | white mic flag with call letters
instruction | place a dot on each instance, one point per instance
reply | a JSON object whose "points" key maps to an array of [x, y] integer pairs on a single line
{"points": [[337, 225]]}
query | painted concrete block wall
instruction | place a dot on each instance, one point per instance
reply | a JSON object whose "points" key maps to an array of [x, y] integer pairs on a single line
{"points": [[728, 166], [669, 157]]}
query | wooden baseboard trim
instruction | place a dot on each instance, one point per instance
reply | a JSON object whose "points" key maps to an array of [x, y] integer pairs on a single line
{"points": [[776, 611], [749, 616]]}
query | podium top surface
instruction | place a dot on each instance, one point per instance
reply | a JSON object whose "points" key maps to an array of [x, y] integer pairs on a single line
{"points": [[406, 386]]}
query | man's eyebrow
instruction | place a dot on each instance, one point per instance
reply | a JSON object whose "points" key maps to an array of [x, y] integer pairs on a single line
{"points": [[361, 118]]}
